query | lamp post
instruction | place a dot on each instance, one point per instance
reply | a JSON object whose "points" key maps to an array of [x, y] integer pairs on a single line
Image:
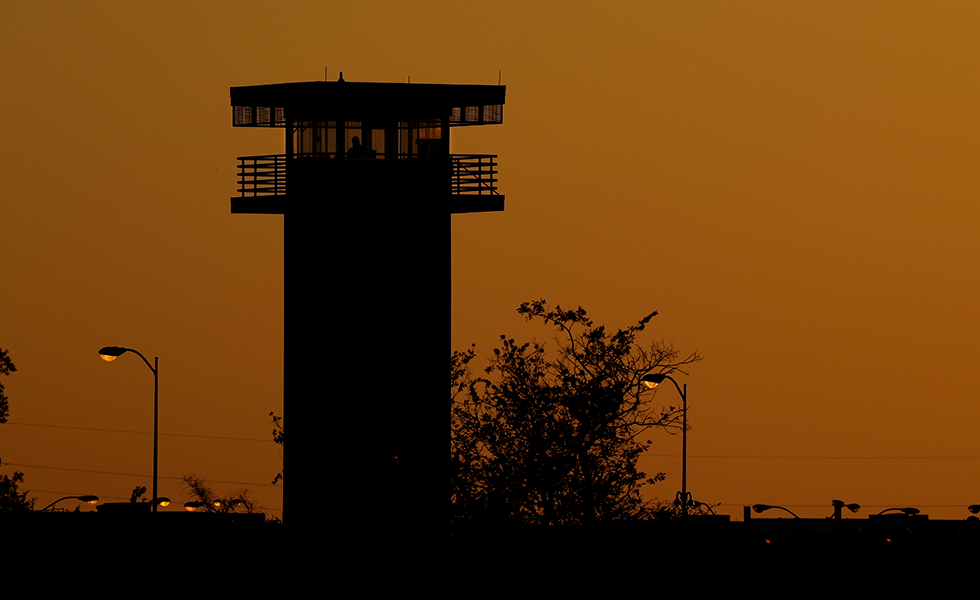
{"points": [[111, 353], [652, 380]]}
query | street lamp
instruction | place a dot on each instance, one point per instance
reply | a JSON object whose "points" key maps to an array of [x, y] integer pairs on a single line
{"points": [[111, 353], [908, 511], [85, 499], [652, 380], [839, 504], [760, 508]]}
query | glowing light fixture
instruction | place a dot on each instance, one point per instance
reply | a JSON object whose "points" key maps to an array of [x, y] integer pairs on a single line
{"points": [[111, 353], [650, 380]]}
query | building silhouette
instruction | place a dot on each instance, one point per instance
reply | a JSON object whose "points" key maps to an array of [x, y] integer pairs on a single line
{"points": [[363, 183]]}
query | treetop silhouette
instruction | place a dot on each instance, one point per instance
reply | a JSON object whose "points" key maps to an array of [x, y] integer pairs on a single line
{"points": [[553, 437], [11, 498]]}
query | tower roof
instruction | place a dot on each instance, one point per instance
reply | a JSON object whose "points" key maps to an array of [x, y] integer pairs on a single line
{"points": [[270, 105]]}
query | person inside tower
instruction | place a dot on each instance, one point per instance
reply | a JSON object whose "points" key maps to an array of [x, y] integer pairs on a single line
{"points": [[356, 149]]}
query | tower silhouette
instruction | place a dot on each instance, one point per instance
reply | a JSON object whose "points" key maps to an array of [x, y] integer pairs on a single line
{"points": [[363, 185]]}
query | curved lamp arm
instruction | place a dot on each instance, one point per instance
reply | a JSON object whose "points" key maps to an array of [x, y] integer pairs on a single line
{"points": [[86, 499], [759, 508], [652, 380], [111, 353], [909, 511]]}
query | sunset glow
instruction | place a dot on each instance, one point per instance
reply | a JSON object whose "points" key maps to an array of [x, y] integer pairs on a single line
{"points": [[801, 176]]}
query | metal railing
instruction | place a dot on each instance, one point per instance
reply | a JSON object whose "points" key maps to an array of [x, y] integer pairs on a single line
{"points": [[262, 175], [473, 174]]}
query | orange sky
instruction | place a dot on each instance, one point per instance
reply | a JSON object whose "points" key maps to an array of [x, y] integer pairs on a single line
{"points": [[793, 188]]}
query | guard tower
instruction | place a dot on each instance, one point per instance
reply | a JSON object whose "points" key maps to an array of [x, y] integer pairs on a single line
{"points": [[364, 185], [382, 140]]}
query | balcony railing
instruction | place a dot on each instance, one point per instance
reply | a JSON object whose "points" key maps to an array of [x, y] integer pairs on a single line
{"points": [[473, 174], [262, 175]]}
